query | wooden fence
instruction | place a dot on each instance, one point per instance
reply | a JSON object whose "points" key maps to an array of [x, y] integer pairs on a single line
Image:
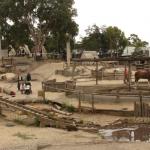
{"points": [[143, 66], [141, 110], [53, 86], [108, 76]]}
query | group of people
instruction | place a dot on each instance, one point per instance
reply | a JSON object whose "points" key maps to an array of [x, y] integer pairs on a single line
{"points": [[24, 84]]}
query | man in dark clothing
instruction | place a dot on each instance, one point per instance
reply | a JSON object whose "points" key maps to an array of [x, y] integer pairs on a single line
{"points": [[28, 77], [18, 85]]}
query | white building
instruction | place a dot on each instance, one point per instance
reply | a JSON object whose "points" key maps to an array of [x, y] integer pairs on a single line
{"points": [[128, 51]]}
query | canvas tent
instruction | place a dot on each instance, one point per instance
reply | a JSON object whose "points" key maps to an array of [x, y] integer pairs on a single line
{"points": [[128, 51], [89, 55]]}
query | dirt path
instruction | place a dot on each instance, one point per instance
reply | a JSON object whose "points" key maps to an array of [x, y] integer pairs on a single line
{"points": [[19, 137]]}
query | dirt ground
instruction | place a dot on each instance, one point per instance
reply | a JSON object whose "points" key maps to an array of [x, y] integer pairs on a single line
{"points": [[18, 137]]}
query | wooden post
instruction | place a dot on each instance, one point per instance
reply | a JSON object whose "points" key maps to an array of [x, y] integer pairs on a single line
{"points": [[141, 104], [114, 74], [68, 48], [0, 42], [146, 110], [11, 61], [93, 103], [44, 95], [73, 70], [102, 74], [129, 75], [135, 109], [96, 72], [2, 61], [79, 106], [117, 96], [0, 110]]}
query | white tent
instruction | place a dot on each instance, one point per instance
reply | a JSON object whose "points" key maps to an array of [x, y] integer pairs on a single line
{"points": [[128, 51], [89, 55]]}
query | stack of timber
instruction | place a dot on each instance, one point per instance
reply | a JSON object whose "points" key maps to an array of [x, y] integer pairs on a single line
{"points": [[44, 118], [51, 120]]}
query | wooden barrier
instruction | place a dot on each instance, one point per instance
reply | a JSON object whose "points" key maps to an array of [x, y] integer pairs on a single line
{"points": [[141, 110], [69, 87], [53, 86], [108, 76], [8, 64], [142, 66]]}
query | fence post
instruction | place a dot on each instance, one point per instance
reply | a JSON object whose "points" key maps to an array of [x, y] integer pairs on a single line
{"points": [[0, 110], [96, 72], [135, 109], [114, 74], [93, 103], [102, 74], [129, 74], [141, 104], [117, 96], [79, 106]]}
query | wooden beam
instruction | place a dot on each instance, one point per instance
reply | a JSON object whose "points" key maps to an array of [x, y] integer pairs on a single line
{"points": [[131, 59], [129, 74], [96, 72]]}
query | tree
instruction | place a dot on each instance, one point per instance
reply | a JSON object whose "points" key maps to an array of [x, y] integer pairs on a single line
{"points": [[115, 40], [135, 41], [92, 41], [104, 38], [16, 35], [42, 17]]}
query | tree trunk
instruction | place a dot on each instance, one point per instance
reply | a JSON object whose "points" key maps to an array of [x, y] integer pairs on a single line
{"points": [[38, 38]]}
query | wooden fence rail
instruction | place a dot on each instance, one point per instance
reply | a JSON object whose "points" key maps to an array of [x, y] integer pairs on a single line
{"points": [[139, 110]]}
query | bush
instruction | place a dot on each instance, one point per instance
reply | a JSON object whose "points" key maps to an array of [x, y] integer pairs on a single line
{"points": [[69, 108]]}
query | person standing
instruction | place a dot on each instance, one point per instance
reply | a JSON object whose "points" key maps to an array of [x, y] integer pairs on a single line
{"points": [[18, 85], [22, 88], [126, 76], [28, 77]]}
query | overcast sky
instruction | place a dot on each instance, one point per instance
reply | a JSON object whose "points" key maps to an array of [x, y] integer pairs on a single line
{"points": [[131, 16]]}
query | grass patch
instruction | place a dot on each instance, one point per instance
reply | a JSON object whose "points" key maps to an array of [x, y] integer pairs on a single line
{"points": [[18, 121], [37, 122], [68, 108], [24, 136]]}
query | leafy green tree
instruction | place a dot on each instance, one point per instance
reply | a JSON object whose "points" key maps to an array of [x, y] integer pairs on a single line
{"points": [[104, 38], [135, 41], [43, 18], [92, 41], [115, 40], [16, 35]]}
